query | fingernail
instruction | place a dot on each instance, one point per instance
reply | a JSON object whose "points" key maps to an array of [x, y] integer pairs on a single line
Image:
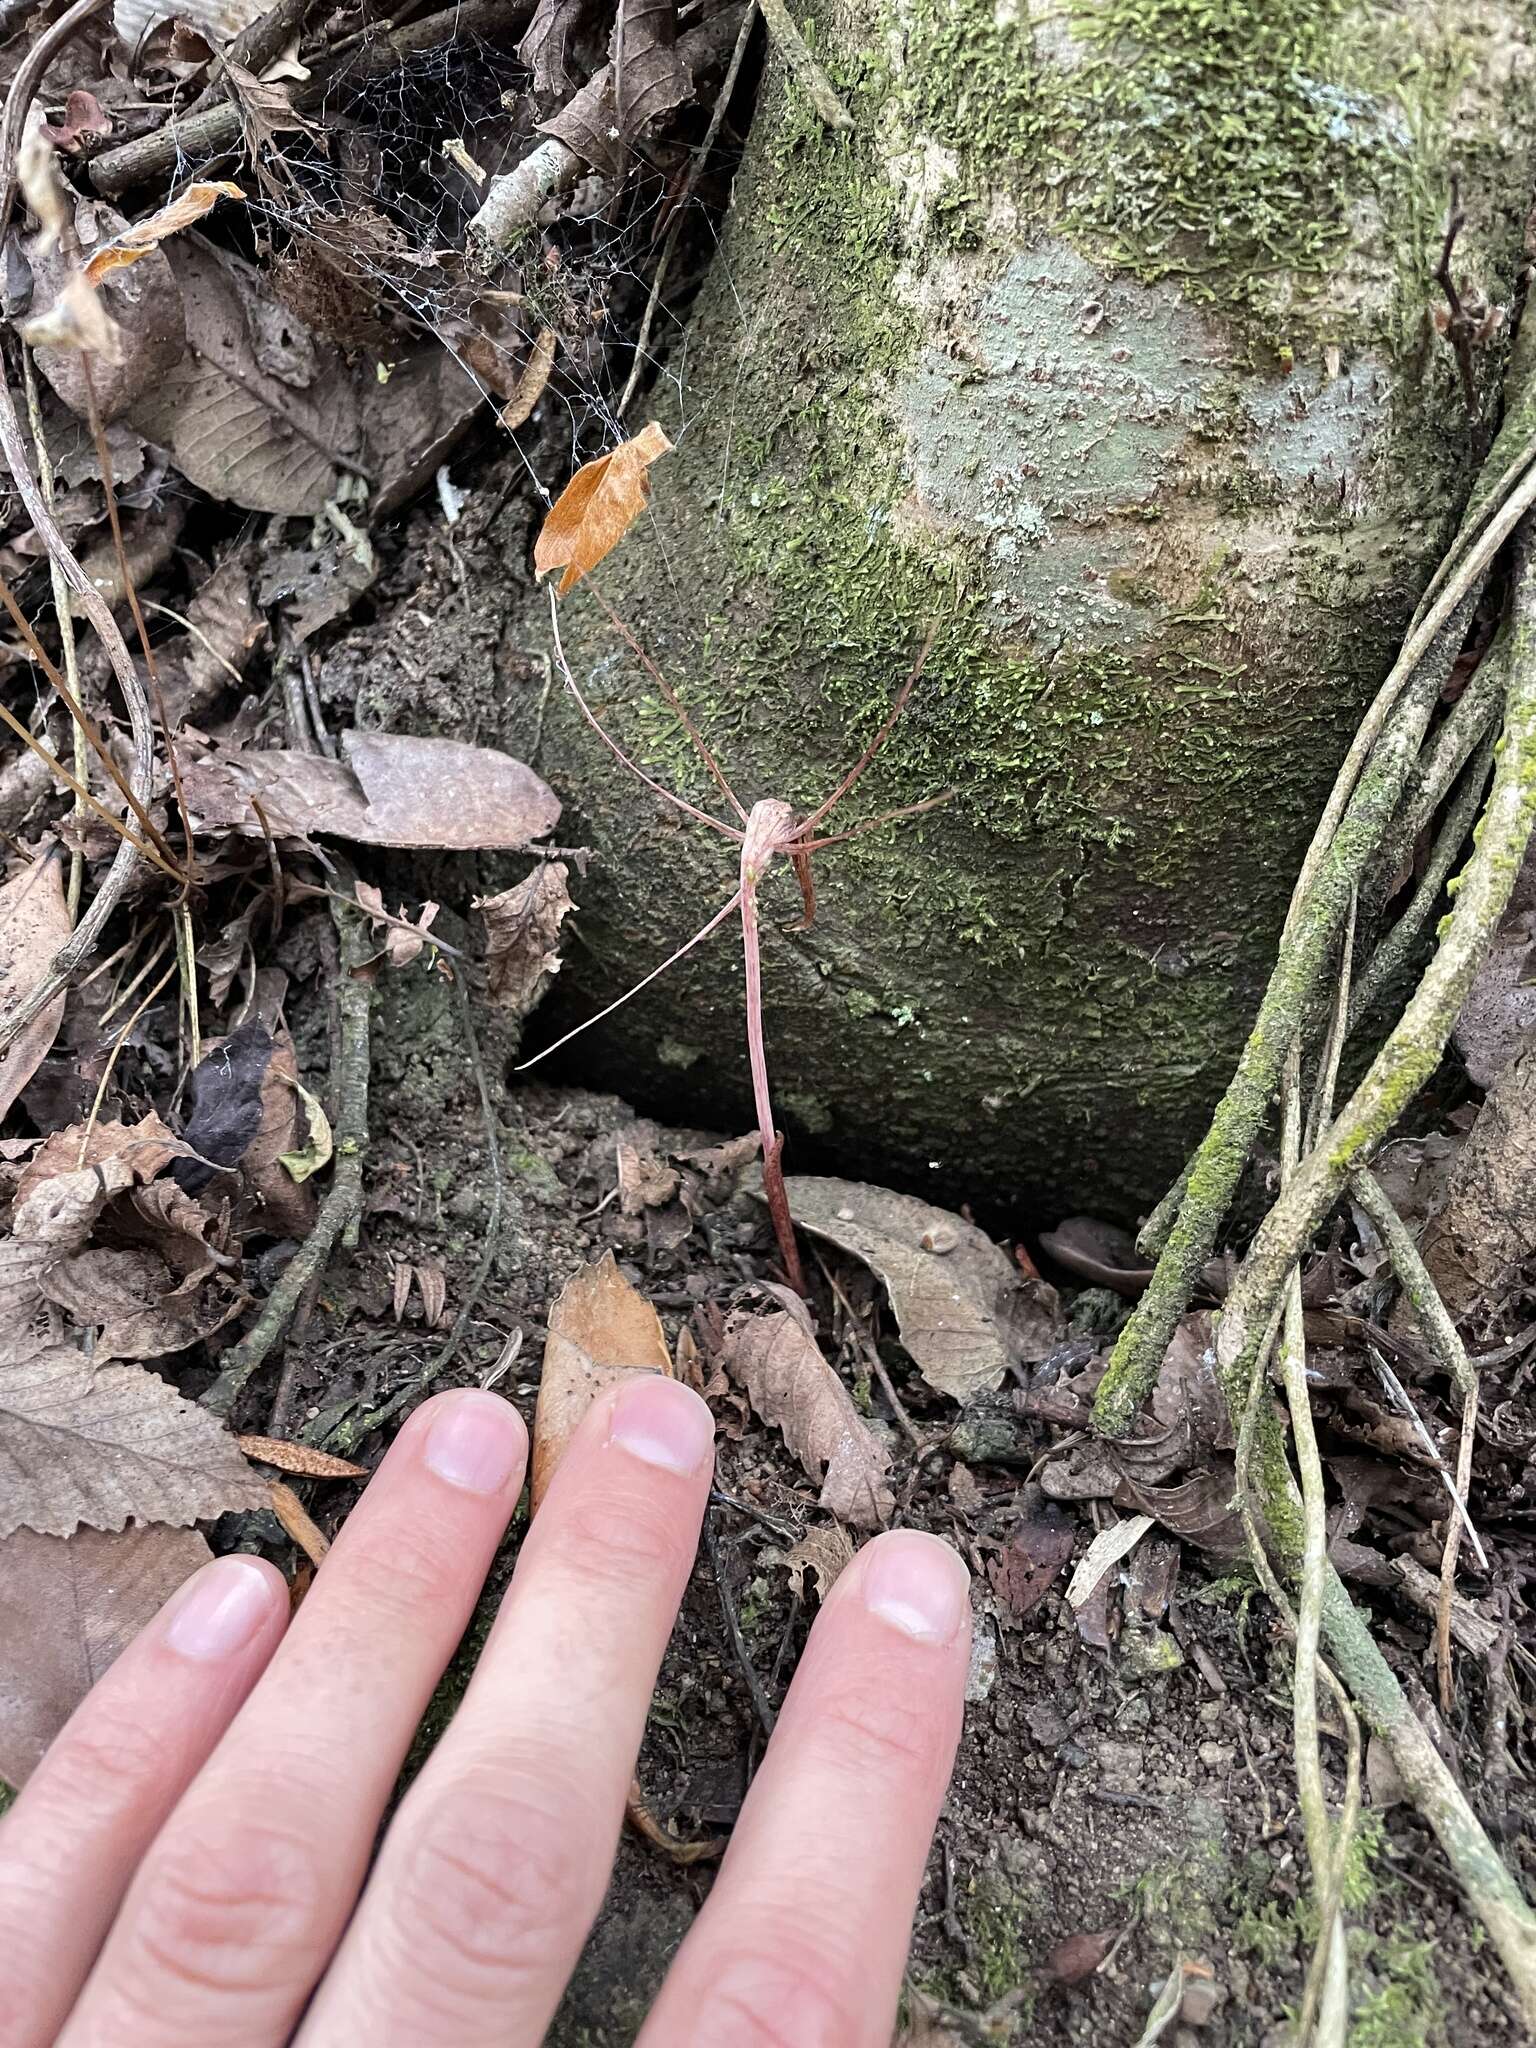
{"points": [[662, 1423], [221, 1609], [918, 1585], [475, 1442]]}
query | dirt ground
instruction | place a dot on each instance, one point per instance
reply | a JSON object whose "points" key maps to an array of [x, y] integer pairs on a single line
{"points": [[1095, 1795]]}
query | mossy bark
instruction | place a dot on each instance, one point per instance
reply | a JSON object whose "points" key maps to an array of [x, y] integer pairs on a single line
{"points": [[1103, 343]]}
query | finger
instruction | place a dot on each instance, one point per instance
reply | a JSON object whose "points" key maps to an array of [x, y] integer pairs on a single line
{"points": [[497, 1862], [241, 1900], [111, 1776], [804, 1937]]}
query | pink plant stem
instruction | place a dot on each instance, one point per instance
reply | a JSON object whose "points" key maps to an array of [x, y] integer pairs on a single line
{"points": [[767, 827]]}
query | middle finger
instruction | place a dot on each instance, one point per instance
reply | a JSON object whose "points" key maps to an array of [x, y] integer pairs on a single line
{"points": [[495, 1865]]}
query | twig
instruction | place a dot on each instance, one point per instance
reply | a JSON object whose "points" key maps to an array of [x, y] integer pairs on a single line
{"points": [[760, 1704], [700, 157], [351, 1432], [514, 201], [1435, 1319], [65, 617], [117, 1045], [344, 1198], [1459, 328], [219, 129], [795, 51], [186, 959], [871, 1352]]}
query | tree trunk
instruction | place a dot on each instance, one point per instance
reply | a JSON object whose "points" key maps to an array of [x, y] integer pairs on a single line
{"points": [[1104, 344]]}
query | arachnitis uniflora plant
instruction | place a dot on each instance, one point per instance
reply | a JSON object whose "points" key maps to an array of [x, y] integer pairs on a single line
{"points": [[587, 521]]}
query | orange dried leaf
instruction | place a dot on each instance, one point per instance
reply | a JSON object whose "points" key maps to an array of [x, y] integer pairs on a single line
{"points": [[597, 508], [600, 1332], [298, 1525], [302, 1459], [144, 235]]}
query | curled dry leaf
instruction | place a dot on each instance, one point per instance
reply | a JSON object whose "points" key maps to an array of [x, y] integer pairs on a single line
{"points": [[600, 1332], [546, 43], [826, 1551], [68, 1608], [111, 1445], [522, 928], [529, 388], [964, 1310], [1038, 1545], [597, 508], [189, 205], [315, 1152], [404, 941], [649, 76], [78, 323], [391, 790], [34, 923], [303, 1460], [795, 1390], [298, 1524], [85, 120]]}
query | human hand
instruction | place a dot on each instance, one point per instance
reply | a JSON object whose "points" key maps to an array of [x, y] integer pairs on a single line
{"points": [[188, 1862]]}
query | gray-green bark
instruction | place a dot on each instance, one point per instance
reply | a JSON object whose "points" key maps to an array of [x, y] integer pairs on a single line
{"points": [[1102, 342]]}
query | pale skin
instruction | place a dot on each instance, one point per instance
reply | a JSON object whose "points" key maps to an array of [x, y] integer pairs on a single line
{"points": [[190, 1863]]}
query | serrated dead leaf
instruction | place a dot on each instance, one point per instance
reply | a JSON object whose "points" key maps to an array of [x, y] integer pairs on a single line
{"points": [[34, 923], [189, 205], [68, 1608], [600, 1332], [105, 1447], [597, 508], [143, 1150], [303, 1460], [522, 928], [795, 1391]]}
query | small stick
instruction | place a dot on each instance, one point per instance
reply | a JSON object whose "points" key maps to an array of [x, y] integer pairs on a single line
{"points": [[796, 53]]}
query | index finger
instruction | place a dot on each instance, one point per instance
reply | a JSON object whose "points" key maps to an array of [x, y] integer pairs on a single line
{"points": [[804, 1937]]}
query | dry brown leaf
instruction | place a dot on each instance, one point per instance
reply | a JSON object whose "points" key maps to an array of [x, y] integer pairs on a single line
{"points": [[600, 1332], [146, 305], [1039, 1544], [298, 1525], [597, 508], [530, 385], [391, 790], [827, 1551], [794, 1390], [189, 205], [143, 1148], [68, 1608], [546, 41], [34, 923], [103, 1447], [281, 1205], [649, 76], [404, 938], [301, 1459], [964, 1310], [522, 928], [76, 322], [645, 1182]]}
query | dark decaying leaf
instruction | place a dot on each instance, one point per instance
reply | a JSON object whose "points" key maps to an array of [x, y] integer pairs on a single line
{"points": [[391, 790], [1075, 1958], [964, 1310], [522, 928], [545, 46], [68, 1608], [279, 1205], [588, 124], [649, 77], [1101, 1253], [224, 1104], [1038, 1545], [34, 923], [795, 1390], [104, 1447]]}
